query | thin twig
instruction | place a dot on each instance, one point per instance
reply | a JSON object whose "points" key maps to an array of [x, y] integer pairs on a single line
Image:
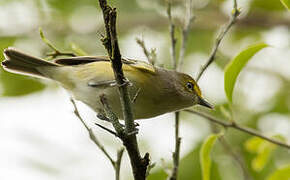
{"points": [[176, 153], [185, 30], [240, 128], [236, 156], [177, 64], [150, 55], [116, 164], [150, 167], [172, 35], [235, 13], [107, 129], [55, 52], [136, 96], [139, 164], [112, 117]]}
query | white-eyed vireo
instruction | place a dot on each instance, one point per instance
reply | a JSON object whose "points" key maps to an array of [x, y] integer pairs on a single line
{"points": [[155, 90]]}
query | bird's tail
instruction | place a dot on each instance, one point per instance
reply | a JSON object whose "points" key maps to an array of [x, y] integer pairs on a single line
{"points": [[21, 63]]}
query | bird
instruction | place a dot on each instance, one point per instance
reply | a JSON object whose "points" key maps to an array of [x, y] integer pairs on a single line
{"points": [[153, 90]]}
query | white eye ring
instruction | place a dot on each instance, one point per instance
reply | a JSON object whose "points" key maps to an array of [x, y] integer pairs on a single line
{"points": [[189, 85]]}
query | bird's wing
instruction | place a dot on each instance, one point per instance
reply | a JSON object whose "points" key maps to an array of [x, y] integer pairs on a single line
{"points": [[140, 65], [79, 60]]}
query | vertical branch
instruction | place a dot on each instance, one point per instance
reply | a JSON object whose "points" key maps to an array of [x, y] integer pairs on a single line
{"points": [[176, 153], [172, 35], [119, 75], [139, 164], [188, 20], [107, 39], [185, 30], [235, 13]]}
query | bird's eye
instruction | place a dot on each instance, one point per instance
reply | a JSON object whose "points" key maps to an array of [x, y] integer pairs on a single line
{"points": [[189, 85]]}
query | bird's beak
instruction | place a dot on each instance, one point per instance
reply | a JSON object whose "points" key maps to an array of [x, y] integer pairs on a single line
{"points": [[203, 102]]}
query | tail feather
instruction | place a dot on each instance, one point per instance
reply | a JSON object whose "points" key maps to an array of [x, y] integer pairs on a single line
{"points": [[21, 63]]}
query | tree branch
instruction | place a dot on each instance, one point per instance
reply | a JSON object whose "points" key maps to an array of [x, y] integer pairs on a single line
{"points": [[235, 13], [172, 36], [139, 164], [177, 66], [236, 155], [116, 164], [185, 30], [176, 153], [132, 151], [150, 55], [55, 52], [240, 128]]}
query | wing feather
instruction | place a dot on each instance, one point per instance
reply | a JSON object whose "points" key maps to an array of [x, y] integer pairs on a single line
{"points": [[141, 65]]}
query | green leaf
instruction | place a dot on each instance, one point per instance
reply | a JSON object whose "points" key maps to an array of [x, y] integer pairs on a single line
{"points": [[233, 69], [280, 174], [205, 160], [189, 168], [286, 3]]}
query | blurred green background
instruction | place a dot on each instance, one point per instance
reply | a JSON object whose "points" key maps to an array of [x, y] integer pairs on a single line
{"points": [[39, 139]]}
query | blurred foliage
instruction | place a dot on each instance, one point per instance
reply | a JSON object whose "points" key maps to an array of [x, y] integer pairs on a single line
{"points": [[280, 174], [262, 159], [263, 149], [286, 3], [12, 84], [268, 5], [189, 168]]}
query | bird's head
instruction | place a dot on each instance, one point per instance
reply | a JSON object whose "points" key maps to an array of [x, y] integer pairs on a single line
{"points": [[189, 90]]}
